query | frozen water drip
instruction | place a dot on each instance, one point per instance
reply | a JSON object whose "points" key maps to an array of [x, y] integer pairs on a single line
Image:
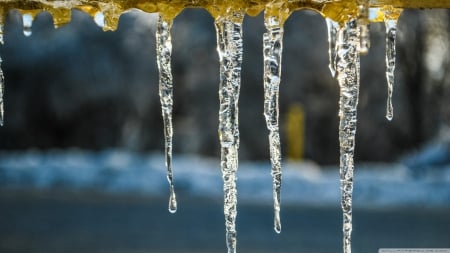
{"points": [[164, 52]]}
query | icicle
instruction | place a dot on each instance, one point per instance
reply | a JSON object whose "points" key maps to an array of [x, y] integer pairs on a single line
{"points": [[2, 79], [229, 48], [363, 26], [390, 21], [164, 52], [273, 47], [99, 19], [333, 28], [27, 20], [347, 70], [391, 34]]}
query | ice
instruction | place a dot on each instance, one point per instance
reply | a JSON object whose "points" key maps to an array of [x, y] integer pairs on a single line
{"points": [[2, 89], [333, 28], [229, 48], [391, 34], [347, 70], [2, 78], [363, 26], [273, 47], [99, 19], [163, 55], [390, 17], [27, 20]]}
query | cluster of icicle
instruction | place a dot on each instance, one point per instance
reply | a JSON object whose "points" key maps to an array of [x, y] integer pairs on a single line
{"points": [[347, 41]]}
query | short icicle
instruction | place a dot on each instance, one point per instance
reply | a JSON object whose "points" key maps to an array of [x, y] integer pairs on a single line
{"points": [[363, 26], [391, 31], [333, 28], [273, 47], [390, 21], [164, 52], [229, 48], [27, 20], [347, 70]]}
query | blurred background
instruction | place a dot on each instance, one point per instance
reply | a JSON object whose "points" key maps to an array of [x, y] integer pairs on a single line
{"points": [[81, 167]]}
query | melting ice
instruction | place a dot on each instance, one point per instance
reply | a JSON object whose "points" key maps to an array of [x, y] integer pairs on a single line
{"points": [[391, 34], [164, 52], [229, 48], [345, 45], [347, 70], [273, 47]]}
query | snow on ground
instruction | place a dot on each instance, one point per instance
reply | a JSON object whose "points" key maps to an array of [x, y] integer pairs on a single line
{"points": [[117, 171]]}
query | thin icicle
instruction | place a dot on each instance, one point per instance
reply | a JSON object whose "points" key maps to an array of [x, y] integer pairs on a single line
{"points": [[164, 52], [229, 48], [2, 78], [27, 20], [333, 28], [347, 69], [391, 34], [273, 47], [363, 26]]}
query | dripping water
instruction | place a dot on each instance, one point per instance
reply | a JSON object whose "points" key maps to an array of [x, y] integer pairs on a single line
{"points": [[27, 20], [164, 52], [333, 28], [273, 47], [347, 70], [391, 34], [229, 48]]}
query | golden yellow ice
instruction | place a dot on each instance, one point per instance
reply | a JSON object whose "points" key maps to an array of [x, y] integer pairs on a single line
{"points": [[338, 10]]}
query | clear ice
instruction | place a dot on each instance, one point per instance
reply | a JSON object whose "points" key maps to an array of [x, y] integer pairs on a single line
{"points": [[333, 28], [229, 48], [363, 26], [347, 70], [273, 47], [391, 34], [27, 20], [163, 55], [2, 80]]}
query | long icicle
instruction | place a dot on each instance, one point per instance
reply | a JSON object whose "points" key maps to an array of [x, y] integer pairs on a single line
{"points": [[229, 48], [333, 28], [2, 78], [273, 48], [347, 69], [164, 52]]}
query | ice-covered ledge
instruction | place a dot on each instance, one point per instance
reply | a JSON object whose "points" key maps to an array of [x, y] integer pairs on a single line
{"points": [[338, 10]]}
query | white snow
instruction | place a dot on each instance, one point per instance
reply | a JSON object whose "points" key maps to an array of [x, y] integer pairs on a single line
{"points": [[305, 183]]}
